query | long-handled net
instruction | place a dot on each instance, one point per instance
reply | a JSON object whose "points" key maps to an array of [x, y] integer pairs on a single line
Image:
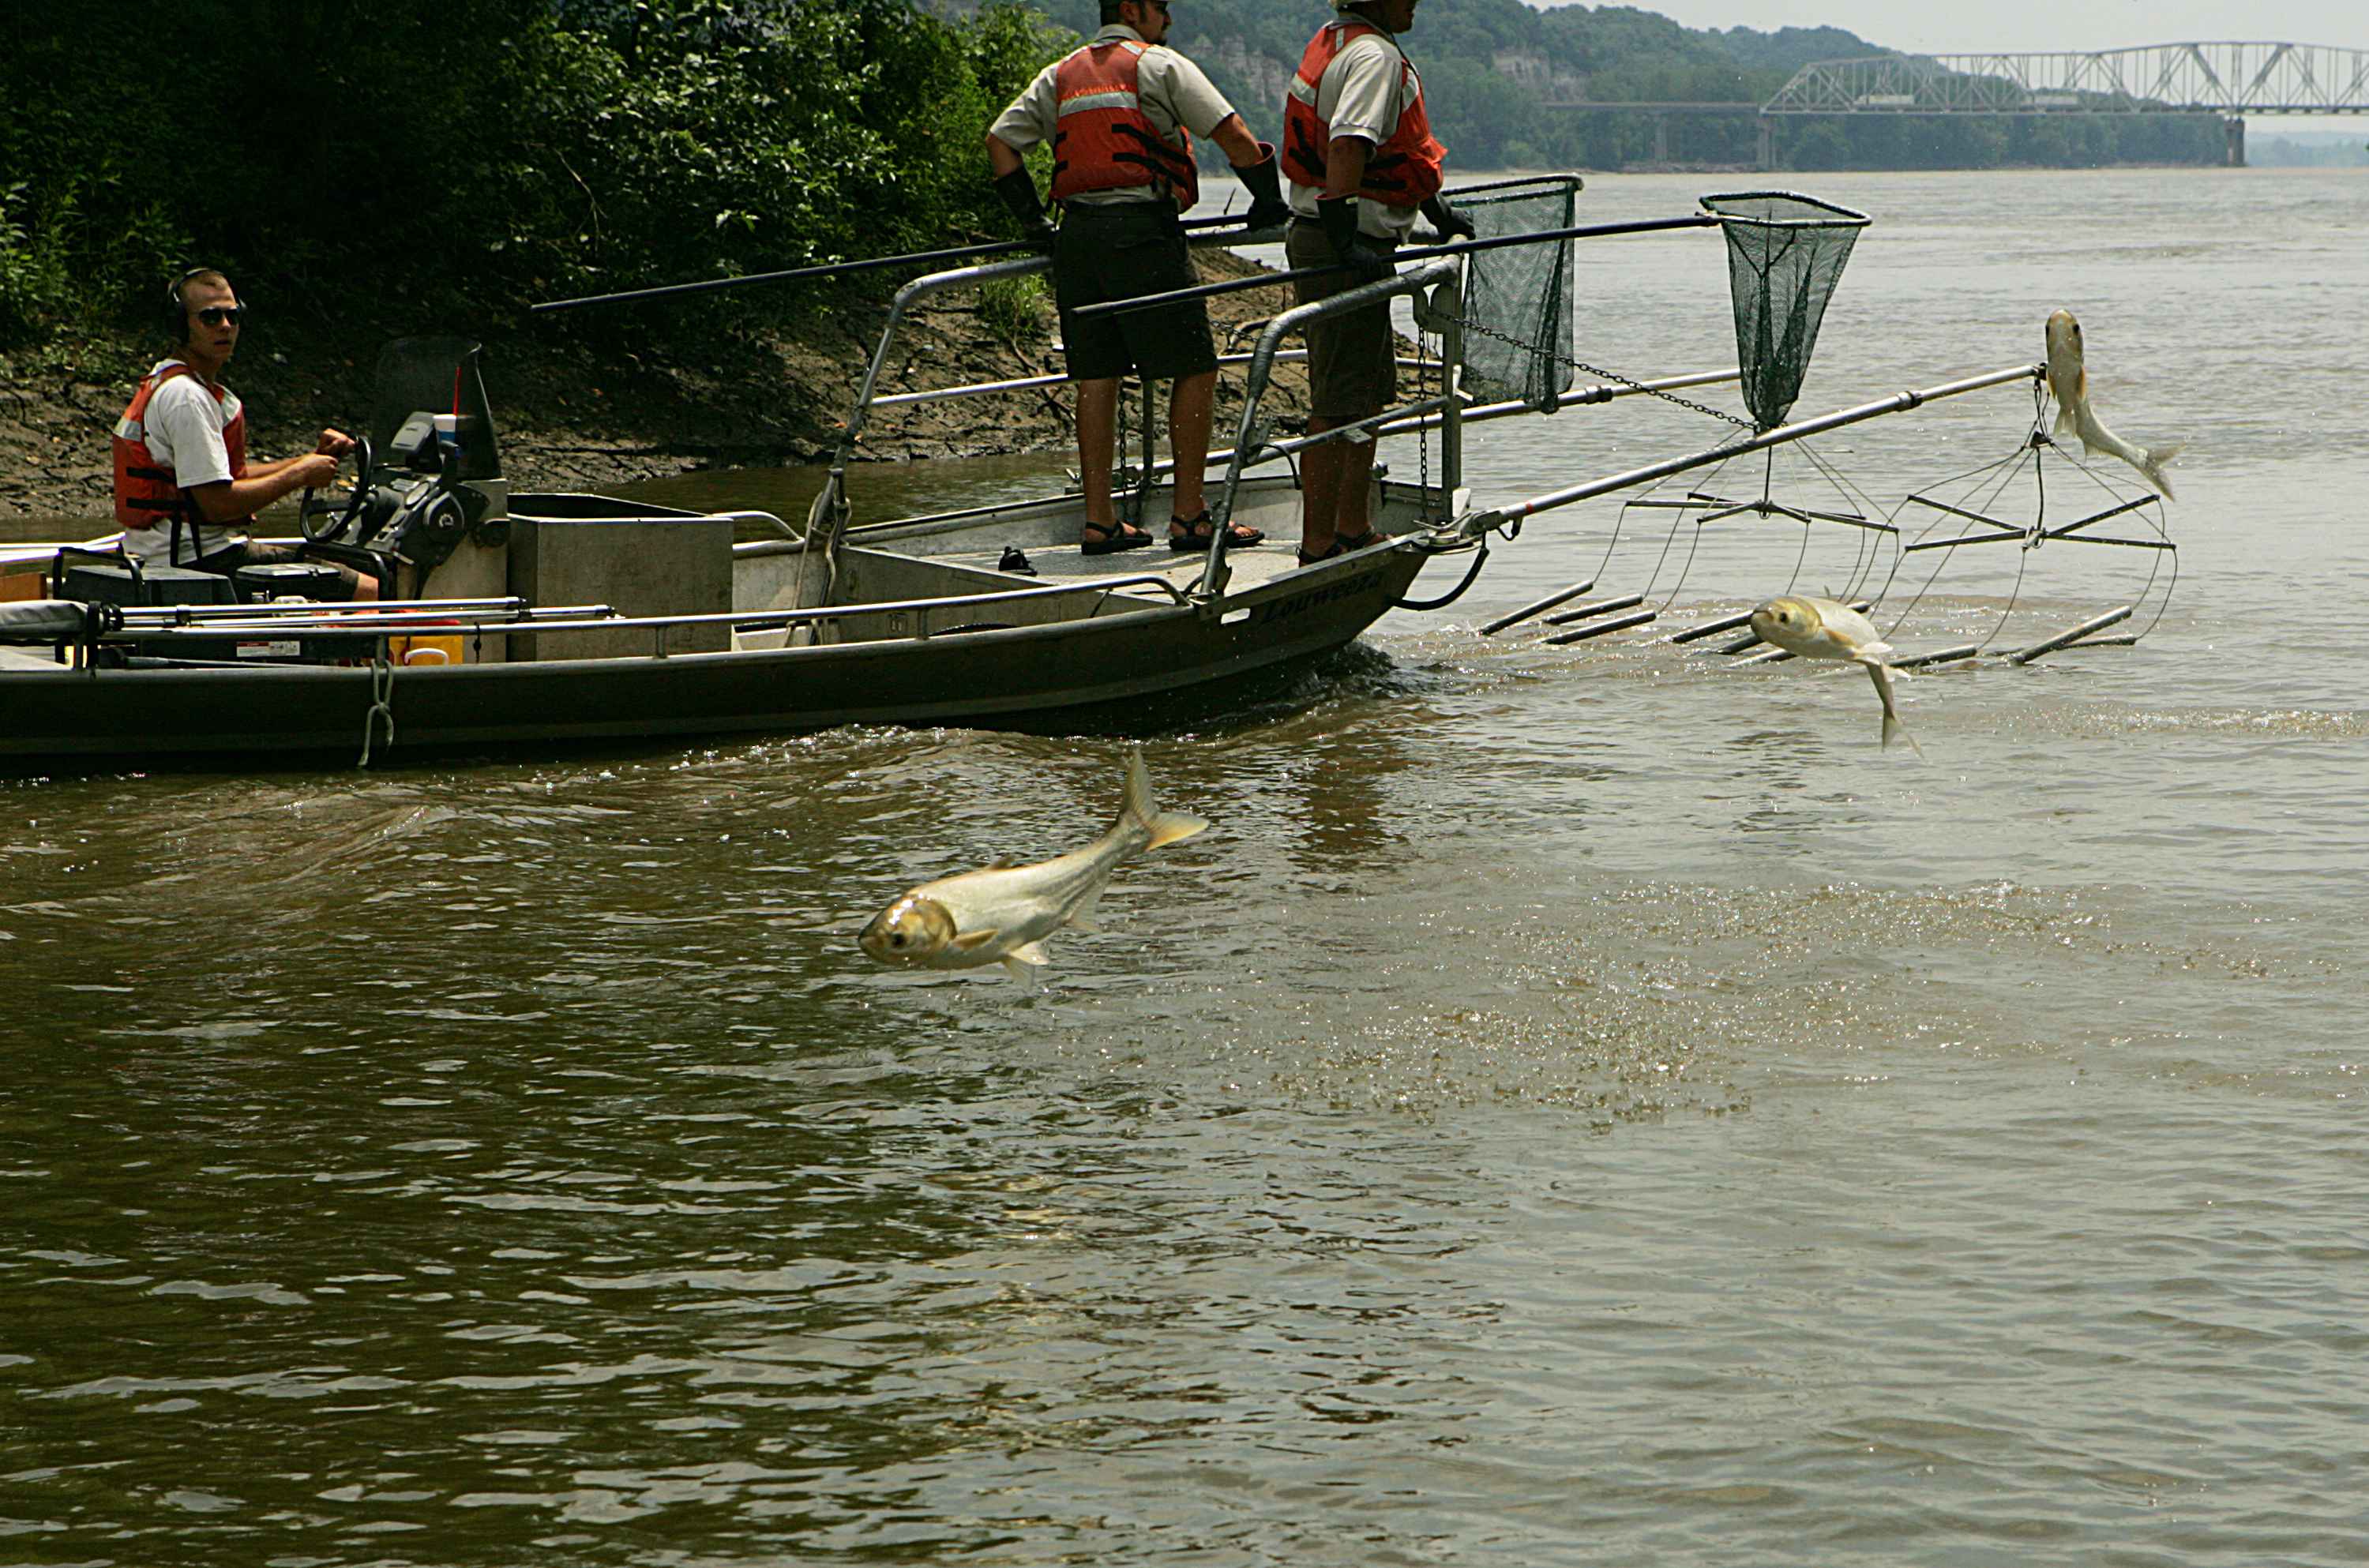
{"points": [[1517, 301], [1785, 254]]}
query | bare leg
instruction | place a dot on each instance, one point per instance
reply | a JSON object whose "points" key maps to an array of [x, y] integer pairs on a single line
{"points": [[1097, 433], [1351, 508], [1320, 490], [1190, 402]]}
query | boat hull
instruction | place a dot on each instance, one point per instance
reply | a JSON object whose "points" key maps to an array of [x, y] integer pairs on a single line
{"points": [[1095, 670]]}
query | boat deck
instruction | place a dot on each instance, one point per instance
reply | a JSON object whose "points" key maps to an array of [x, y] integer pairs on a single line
{"points": [[1062, 563]]}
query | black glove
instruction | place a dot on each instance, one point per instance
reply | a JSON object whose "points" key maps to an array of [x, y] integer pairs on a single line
{"points": [[1452, 223], [1019, 193], [1264, 180], [1366, 261]]}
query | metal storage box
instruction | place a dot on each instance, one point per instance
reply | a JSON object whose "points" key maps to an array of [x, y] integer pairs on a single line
{"points": [[637, 559]]}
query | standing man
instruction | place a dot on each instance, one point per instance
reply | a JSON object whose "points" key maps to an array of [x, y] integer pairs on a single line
{"points": [[1357, 145], [1121, 114], [184, 490]]}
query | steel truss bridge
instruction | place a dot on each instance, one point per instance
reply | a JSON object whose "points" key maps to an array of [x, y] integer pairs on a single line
{"points": [[2163, 78], [2231, 79], [2227, 79]]}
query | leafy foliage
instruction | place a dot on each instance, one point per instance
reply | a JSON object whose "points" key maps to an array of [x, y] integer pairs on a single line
{"points": [[473, 157]]}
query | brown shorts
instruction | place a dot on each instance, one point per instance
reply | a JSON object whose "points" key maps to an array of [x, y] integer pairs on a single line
{"points": [[1353, 358]]}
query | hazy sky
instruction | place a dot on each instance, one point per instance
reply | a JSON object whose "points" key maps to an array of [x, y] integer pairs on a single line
{"points": [[2018, 25]]}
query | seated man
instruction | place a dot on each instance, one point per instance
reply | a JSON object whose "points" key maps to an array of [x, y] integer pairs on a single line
{"points": [[1121, 114], [184, 490]]}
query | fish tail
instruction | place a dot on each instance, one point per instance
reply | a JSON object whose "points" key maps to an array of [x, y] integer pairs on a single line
{"points": [[2152, 465], [1138, 806], [1881, 674]]}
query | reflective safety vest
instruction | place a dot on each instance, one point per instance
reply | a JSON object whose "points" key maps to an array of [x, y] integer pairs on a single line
{"points": [[146, 494], [1102, 138], [1404, 171]]}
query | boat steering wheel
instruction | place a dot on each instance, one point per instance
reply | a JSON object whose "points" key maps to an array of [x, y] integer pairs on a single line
{"points": [[312, 510]]}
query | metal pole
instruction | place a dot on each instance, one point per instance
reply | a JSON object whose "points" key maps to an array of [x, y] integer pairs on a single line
{"points": [[1599, 628], [1427, 253], [985, 248], [1213, 573], [1899, 402], [1448, 306], [1599, 607], [2064, 640], [1549, 602]]}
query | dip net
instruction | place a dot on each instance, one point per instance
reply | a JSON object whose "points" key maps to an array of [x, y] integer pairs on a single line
{"points": [[1517, 301], [1785, 254]]}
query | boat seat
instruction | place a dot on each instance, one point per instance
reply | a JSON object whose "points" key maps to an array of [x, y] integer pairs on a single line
{"points": [[13, 659]]}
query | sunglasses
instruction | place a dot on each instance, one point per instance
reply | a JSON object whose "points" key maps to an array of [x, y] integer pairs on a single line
{"points": [[214, 315]]}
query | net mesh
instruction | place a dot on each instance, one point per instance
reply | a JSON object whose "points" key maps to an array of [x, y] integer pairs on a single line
{"points": [[1517, 301], [1785, 254]]}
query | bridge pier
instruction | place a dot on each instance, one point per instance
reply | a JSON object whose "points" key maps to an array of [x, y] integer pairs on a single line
{"points": [[1768, 149], [2234, 128], [1662, 139]]}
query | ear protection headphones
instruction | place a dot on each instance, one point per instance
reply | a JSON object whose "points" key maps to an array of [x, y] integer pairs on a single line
{"points": [[176, 319]]}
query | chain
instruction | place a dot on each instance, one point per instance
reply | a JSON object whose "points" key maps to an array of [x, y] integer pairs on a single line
{"points": [[1585, 368]]}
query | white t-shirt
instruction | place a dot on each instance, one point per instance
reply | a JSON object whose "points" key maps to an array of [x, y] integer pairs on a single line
{"points": [[1169, 89], [183, 429], [1362, 93]]}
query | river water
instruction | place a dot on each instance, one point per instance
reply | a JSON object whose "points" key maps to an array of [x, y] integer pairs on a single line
{"points": [[1581, 1104]]}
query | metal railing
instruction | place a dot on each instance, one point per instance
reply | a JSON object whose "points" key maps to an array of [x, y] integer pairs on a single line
{"points": [[1444, 274]]}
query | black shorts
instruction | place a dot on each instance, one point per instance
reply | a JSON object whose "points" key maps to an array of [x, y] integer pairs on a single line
{"points": [[227, 561], [1352, 359], [1121, 251]]}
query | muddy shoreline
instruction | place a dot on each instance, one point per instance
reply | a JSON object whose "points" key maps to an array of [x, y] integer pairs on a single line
{"points": [[576, 414]]}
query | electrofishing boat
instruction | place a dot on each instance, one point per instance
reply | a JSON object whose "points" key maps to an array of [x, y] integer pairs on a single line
{"points": [[523, 618]]}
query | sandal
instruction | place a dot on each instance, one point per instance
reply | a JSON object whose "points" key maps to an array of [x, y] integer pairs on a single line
{"points": [[1116, 536], [1343, 544], [1199, 533], [1325, 554]]}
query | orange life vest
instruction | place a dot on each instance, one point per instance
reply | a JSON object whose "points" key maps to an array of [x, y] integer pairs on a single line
{"points": [[146, 494], [1102, 138], [1404, 171]]}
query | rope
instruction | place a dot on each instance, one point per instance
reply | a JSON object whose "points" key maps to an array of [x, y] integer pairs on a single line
{"points": [[382, 699]]}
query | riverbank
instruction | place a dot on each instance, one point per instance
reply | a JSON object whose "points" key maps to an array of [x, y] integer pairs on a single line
{"points": [[620, 402]]}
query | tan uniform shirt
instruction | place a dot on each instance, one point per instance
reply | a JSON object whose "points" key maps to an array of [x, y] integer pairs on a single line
{"points": [[1364, 91], [1170, 89]]}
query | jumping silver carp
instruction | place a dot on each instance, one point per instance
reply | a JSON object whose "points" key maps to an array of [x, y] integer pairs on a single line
{"points": [[1820, 628], [2069, 380], [1001, 914]]}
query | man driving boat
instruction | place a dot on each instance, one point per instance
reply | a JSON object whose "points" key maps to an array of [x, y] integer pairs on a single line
{"points": [[184, 490]]}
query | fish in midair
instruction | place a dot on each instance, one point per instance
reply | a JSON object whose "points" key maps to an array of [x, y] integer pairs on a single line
{"points": [[1820, 628], [2070, 382], [1001, 914]]}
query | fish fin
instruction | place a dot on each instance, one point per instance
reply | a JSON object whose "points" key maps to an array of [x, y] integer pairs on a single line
{"points": [[1885, 676], [2157, 456], [970, 939], [1018, 970], [1083, 916], [1170, 825], [2065, 421], [1165, 828], [1029, 952], [1892, 727]]}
